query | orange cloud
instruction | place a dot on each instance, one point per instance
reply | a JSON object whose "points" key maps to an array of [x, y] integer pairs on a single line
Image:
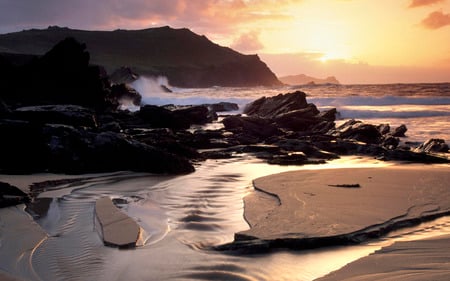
{"points": [[436, 20], [248, 42], [419, 3]]}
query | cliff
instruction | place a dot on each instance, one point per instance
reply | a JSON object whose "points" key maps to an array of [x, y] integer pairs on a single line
{"points": [[185, 58]]}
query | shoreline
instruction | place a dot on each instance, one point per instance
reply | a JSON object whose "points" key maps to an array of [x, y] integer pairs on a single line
{"points": [[304, 209]]}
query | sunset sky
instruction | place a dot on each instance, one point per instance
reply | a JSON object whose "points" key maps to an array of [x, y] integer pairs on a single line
{"points": [[358, 41]]}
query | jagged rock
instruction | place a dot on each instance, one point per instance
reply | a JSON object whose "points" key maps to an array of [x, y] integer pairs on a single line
{"points": [[411, 156], [159, 117], [433, 145], [66, 149], [328, 115], [11, 195], [124, 94], [274, 106], [400, 131], [61, 76], [309, 149], [299, 119], [198, 114], [390, 142], [73, 115], [357, 130], [253, 126], [384, 129]]}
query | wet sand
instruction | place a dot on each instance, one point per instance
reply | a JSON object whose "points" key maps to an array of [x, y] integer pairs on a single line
{"points": [[303, 209], [426, 259]]}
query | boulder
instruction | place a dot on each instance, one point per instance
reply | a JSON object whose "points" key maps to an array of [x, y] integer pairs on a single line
{"points": [[11, 195], [196, 114], [253, 126], [299, 119], [274, 106], [400, 131], [328, 115], [357, 130], [384, 129], [433, 145], [60, 148], [124, 94], [159, 117]]}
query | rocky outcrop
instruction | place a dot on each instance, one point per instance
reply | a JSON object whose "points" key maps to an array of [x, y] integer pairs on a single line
{"points": [[433, 145], [11, 195], [154, 52]]}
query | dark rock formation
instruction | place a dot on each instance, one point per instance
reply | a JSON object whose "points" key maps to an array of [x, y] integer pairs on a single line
{"points": [[274, 106], [124, 94], [433, 145], [357, 130], [57, 114], [154, 52], [400, 131], [11, 195], [46, 80]]}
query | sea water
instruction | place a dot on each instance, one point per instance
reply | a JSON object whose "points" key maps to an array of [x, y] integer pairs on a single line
{"points": [[184, 216]]}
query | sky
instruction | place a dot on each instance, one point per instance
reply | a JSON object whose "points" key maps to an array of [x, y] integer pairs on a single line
{"points": [[357, 41]]}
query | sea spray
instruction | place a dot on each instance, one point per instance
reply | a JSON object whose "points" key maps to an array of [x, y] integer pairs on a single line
{"points": [[51, 220]]}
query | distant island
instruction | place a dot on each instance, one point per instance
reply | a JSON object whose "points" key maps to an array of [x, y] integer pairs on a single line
{"points": [[303, 79], [185, 58]]}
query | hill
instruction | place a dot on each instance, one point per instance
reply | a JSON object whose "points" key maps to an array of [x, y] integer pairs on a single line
{"points": [[187, 59], [304, 79]]}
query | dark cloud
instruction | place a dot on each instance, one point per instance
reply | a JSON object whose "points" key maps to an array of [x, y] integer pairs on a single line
{"points": [[419, 3], [200, 15], [436, 20], [248, 43]]}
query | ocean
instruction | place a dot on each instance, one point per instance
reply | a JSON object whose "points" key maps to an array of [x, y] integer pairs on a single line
{"points": [[423, 108], [184, 216]]}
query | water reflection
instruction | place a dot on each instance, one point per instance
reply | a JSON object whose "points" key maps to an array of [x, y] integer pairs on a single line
{"points": [[182, 218]]}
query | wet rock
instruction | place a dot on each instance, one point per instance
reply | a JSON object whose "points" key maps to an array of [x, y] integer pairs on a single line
{"points": [[298, 158], [73, 115], [273, 106], [411, 156], [310, 150], [61, 76], [222, 106], [298, 120], [433, 145], [159, 117], [11, 195], [384, 129], [400, 131], [390, 142], [124, 94], [253, 126], [116, 228], [328, 115], [198, 114], [357, 130]]}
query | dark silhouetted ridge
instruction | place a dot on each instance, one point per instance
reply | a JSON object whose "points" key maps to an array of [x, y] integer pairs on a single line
{"points": [[187, 59]]}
